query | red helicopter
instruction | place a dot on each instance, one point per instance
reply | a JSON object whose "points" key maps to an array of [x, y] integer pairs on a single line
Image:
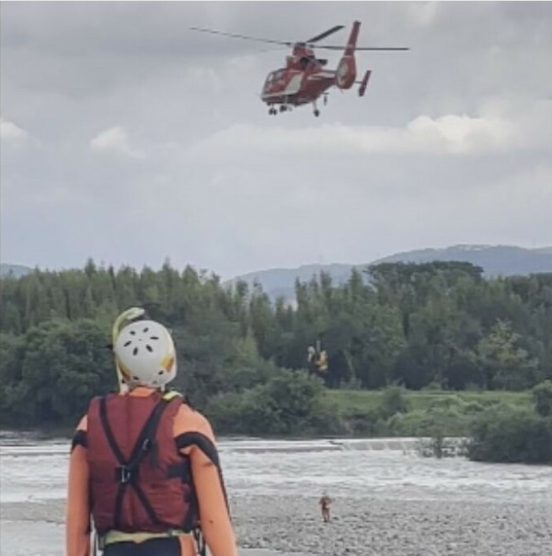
{"points": [[304, 79]]}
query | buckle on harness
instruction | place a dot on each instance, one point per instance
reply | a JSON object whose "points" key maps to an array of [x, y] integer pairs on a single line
{"points": [[146, 445], [124, 474], [125, 471]]}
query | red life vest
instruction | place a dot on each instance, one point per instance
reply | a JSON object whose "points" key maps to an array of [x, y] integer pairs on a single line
{"points": [[139, 481]]}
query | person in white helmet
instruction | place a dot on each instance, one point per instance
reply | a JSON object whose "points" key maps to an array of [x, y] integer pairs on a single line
{"points": [[144, 470]]}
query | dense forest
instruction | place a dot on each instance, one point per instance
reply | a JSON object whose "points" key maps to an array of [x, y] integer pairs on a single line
{"points": [[422, 326]]}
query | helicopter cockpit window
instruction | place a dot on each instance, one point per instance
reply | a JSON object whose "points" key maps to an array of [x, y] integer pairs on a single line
{"points": [[273, 76], [307, 61]]}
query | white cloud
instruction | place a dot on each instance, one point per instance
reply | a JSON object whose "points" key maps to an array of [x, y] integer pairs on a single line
{"points": [[459, 135], [514, 209], [446, 135], [445, 146], [501, 126], [115, 140], [12, 134], [422, 14]]}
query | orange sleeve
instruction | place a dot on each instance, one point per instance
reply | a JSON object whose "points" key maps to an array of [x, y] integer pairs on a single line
{"points": [[194, 437], [77, 515]]}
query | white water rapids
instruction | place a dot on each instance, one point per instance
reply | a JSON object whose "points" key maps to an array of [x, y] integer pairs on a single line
{"points": [[32, 472]]}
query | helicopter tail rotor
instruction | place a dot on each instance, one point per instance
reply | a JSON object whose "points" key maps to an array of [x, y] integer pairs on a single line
{"points": [[364, 83]]}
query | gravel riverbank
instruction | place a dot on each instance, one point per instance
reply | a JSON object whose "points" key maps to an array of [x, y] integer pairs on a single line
{"points": [[362, 527]]}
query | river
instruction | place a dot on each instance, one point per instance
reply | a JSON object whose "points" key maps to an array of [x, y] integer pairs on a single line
{"points": [[33, 472]]}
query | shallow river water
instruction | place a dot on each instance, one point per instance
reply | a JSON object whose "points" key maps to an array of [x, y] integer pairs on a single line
{"points": [[32, 473]]}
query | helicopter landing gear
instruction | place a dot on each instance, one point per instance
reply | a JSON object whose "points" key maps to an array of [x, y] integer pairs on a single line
{"points": [[325, 99], [316, 112], [282, 108]]}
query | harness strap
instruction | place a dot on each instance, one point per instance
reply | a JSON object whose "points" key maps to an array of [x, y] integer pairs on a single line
{"points": [[126, 471], [200, 542], [113, 537]]}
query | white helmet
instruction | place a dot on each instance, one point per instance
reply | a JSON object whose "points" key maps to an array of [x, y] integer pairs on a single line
{"points": [[145, 354]]}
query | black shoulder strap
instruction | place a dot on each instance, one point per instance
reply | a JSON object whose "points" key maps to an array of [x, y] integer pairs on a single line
{"points": [[144, 441], [108, 432], [146, 438]]}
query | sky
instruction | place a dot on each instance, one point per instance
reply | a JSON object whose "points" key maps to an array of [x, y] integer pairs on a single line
{"points": [[128, 138]]}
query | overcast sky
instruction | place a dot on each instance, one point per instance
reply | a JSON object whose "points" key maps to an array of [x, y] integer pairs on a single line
{"points": [[128, 138]]}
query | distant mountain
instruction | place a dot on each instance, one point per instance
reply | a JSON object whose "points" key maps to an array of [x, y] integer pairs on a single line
{"points": [[15, 270], [284, 278], [498, 260]]}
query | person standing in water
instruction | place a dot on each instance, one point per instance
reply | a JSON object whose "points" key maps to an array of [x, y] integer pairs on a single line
{"points": [[325, 502], [144, 469]]}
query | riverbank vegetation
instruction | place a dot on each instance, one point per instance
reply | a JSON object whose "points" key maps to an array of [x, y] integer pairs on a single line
{"points": [[412, 349]]}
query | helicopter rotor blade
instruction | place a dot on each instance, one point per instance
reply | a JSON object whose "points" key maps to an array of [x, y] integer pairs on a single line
{"points": [[325, 34], [309, 42], [244, 37], [376, 48]]}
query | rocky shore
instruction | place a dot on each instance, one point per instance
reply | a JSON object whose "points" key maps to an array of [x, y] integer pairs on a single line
{"points": [[364, 527]]}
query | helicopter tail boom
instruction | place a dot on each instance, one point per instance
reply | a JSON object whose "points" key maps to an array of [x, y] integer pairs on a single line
{"points": [[353, 37], [346, 70]]}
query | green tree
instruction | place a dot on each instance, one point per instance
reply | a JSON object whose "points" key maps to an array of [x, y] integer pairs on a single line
{"points": [[393, 401], [506, 365], [511, 435], [57, 367], [542, 398]]}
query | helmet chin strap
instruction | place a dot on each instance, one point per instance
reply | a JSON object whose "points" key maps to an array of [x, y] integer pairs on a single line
{"points": [[126, 316]]}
